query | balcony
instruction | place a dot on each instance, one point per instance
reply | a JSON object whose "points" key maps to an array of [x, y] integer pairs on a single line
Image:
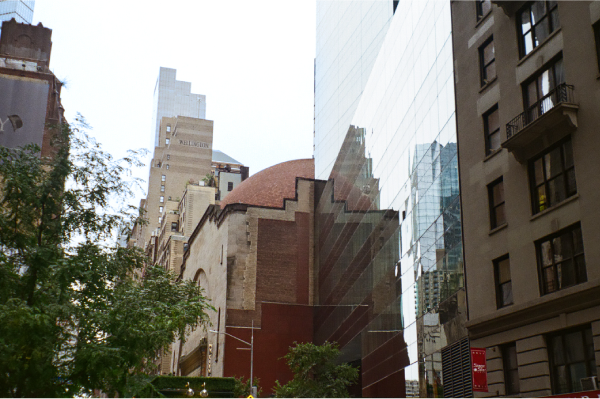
{"points": [[550, 119], [509, 7]]}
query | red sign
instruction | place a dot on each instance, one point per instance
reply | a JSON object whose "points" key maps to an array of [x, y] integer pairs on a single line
{"points": [[479, 370], [585, 394]]}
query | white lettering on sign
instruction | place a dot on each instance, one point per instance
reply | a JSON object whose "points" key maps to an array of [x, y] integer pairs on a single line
{"points": [[192, 143]]}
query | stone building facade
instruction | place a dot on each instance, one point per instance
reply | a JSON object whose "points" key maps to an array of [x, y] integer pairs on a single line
{"points": [[527, 95]]}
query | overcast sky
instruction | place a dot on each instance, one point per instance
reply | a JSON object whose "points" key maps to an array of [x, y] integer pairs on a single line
{"points": [[252, 59]]}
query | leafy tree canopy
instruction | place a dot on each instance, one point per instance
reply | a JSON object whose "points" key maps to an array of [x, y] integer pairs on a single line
{"points": [[78, 313], [316, 373]]}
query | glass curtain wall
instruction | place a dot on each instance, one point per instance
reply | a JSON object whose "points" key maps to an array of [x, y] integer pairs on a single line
{"points": [[389, 256]]}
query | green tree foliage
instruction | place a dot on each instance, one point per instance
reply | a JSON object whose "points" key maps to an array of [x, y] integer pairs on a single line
{"points": [[243, 389], [78, 313], [316, 373]]}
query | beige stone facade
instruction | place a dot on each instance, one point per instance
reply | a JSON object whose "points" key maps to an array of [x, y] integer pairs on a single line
{"points": [[183, 156], [527, 95]]}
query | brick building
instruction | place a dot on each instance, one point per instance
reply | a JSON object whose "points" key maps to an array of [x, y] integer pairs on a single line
{"points": [[253, 256], [30, 105]]}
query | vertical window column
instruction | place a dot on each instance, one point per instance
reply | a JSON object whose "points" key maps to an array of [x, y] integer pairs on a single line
{"points": [[496, 203], [504, 295], [487, 61]]}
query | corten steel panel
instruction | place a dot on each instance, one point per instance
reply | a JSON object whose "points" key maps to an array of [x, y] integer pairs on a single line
{"points": [[393, 386], [281, 326], [28, 99], [276, 261]]}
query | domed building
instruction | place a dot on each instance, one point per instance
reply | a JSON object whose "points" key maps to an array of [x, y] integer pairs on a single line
{"points": [[252, 254]]}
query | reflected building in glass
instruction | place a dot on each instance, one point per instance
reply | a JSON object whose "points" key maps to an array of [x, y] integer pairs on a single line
{"points": [[389, 269]]}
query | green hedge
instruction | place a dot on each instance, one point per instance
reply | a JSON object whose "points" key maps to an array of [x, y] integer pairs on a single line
{"points": [[173, 387]]}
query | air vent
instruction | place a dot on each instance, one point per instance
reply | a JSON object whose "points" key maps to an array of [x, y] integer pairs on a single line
{"points": [[456, 370]]}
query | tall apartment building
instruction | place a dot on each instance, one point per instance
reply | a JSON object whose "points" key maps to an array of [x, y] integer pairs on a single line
{"points": [[183, 156], [388, 263], [173, 98], [20, 10], [527, 92]]}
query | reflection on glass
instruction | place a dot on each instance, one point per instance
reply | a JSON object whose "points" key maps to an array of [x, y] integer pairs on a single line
{"points": [[389, 252]]}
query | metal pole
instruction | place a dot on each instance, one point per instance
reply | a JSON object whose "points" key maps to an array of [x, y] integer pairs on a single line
{"points": [[252, 356]]}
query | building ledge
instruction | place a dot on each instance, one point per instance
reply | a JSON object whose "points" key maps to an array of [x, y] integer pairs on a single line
{"points": [[568, 300], [509, 7]]}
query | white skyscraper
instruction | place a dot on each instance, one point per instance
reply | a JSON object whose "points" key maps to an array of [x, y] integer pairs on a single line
{"points": [[21, 10], [174, 98]]}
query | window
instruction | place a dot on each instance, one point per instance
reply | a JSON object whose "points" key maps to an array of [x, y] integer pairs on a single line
{"points": [[162, 198], [162, 189], [167, 166], [504, 296], [537, 20], [167, 141], [511, 369], [496, 201], [160, 209], [560, 260], [174, 226], [597, 37], [483, 7], [552, 177], [571, 354], [159, 219], [169, 128], [539, 92], [491, 127], [229, 186], [163, 178], [487, 61], [168, 157]]}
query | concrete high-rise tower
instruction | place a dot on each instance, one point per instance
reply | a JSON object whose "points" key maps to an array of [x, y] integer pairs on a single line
{"points": [[20, 10], [173, 98]]}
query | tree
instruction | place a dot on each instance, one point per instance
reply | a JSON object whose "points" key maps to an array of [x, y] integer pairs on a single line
{"points": [[78, 313], [316, 374]]}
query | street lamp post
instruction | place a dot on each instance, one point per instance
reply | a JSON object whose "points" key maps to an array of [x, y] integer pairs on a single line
{"points": [[251, 344]]}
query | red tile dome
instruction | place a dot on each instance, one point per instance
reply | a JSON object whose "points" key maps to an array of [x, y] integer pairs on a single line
{"points": [[270, 186]]}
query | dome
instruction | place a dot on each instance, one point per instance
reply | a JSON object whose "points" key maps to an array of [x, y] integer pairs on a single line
{"points": [[270, 186]]}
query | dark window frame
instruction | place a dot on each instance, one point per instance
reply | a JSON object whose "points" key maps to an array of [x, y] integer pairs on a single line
{"points": [[483, 8], [539, 204], [512, 386], [486, 129], [596, 28], [588, 360], [493, 206], [483, 67], [548, 66], [229, 185], [576, 260], [499, 284], [553, 25]]}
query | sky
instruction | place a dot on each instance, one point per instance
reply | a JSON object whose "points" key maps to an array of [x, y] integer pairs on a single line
{"points": [[254, 61]]}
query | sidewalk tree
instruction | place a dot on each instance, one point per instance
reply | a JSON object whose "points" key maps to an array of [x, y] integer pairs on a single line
{"points": [[76, 312], [316, 373]]}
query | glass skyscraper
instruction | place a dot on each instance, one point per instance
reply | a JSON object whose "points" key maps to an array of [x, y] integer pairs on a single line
{"points": [[174, 98], [20, 10], [390, 281]]}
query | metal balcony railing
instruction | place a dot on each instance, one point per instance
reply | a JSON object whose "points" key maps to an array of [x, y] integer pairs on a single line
{"points": [[563, 93]]}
